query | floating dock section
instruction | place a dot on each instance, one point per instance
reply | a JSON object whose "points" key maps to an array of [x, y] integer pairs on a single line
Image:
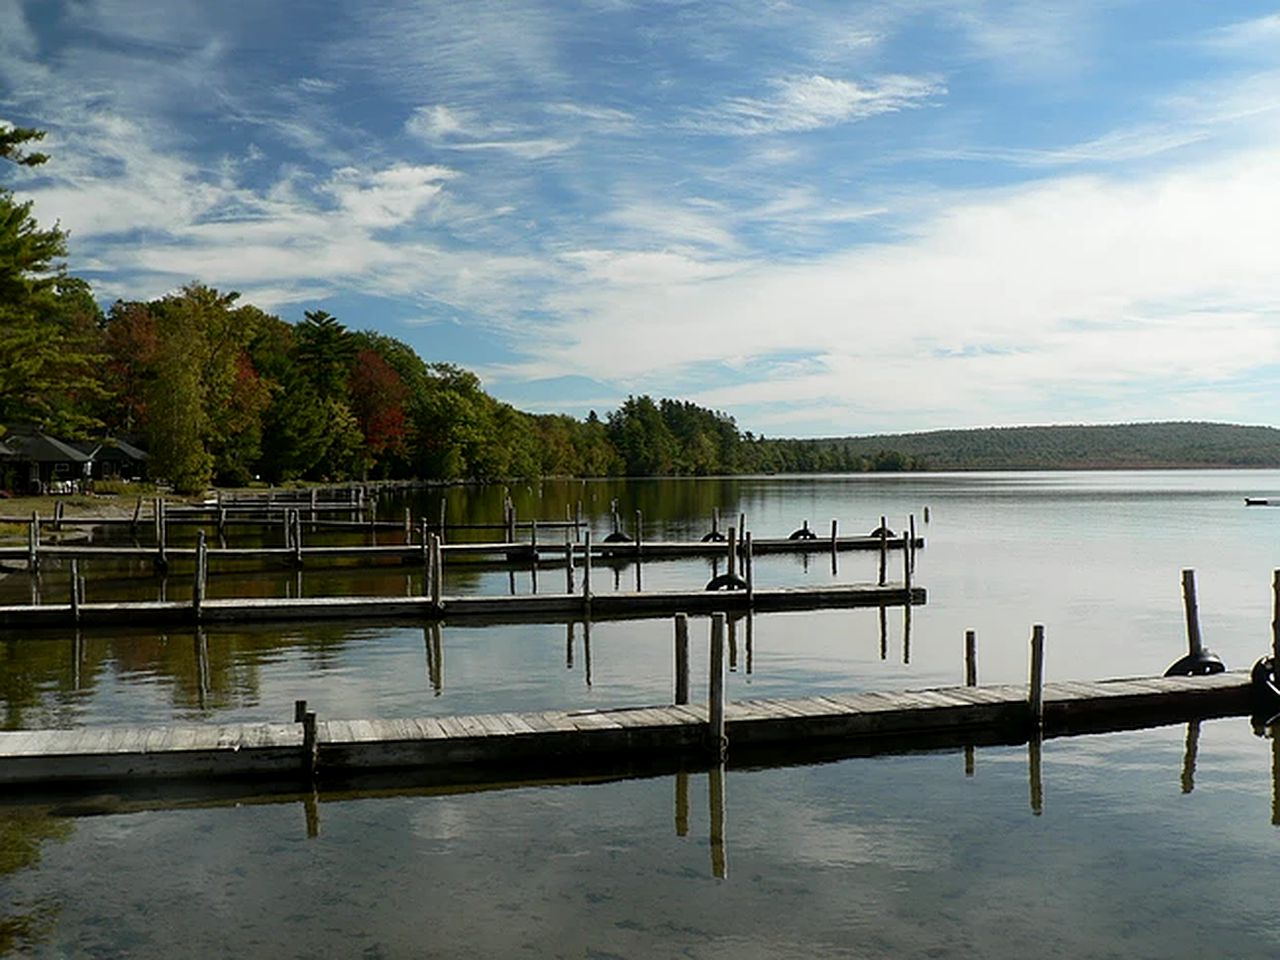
{"points": [[468, 746], [537, 607]]}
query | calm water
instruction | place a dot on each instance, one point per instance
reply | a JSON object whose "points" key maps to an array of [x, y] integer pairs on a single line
{"points": [[1130, 850]]}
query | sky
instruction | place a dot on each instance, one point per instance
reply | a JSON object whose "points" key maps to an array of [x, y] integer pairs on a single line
{"points": [[821, 218]]}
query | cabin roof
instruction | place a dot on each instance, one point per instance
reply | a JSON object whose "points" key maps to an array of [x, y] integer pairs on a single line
{"points": [[41, 449], [113, 448]]}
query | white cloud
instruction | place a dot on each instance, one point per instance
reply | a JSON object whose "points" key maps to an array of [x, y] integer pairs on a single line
{"points": [[387, 198], [597, 119], [449, 129], [1007, 301], [1260, 35], [814, 102]]}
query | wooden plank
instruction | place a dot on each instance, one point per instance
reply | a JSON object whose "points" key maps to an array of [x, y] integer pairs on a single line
{"points": [[494, 726], [593, 721], [429, 728], [453, 727]]}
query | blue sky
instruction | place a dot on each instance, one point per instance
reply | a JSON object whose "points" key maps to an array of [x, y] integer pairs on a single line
{"points": [[822, 218]]}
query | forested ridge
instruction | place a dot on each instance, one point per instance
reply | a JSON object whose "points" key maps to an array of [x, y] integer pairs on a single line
{"points": [[220, 391], [1116, 446]]}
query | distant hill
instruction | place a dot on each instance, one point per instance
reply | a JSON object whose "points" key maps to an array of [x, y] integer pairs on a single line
{"points": [[1131, 445]]}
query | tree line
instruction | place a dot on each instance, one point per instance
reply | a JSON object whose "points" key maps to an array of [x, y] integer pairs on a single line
{"points": [[220, 391]]}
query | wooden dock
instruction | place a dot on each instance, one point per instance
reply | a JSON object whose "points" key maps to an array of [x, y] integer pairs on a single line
{"points": [[537, 607], [521, 552], [501, 744]]}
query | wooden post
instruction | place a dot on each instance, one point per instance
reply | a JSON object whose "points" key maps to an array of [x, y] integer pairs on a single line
{"points": [[682, 658], [715, 688], [156, 516], [137, 513], [197, 586], [511, 521], [310, 745], [733, 552], [884, 550], [297, 538], [1194, 646], [926, 514], [408, 525], [426, 557], [750, 562], [437, 574], [586, 567], [162, 559], [568, 558], [1275, 616], [577, 522], [1036, 698], [33, 543], [313, 505], [58, 508], [299, 710], [906, 573], [715, 521], [75, 591], [639, 539], [444, 506], [834, 537], [911, 541], [970, 659], [533, 551]]}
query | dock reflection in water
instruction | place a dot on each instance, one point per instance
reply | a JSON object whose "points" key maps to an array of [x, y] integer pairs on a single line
{"points": [[826, 859]]}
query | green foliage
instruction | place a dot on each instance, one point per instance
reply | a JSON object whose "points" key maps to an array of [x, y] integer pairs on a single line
{"points": [[1117, 446], [11, 141]]}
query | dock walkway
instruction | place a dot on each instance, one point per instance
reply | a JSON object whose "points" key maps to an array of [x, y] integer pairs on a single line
{"points": [[549, 552], [446, 746], [536, 607]]}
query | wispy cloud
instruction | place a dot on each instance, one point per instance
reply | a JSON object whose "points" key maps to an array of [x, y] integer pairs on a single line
{"points": [[813, 102], [449, 129]]}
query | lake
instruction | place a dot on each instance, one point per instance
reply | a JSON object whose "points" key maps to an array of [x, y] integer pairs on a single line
{"points": [[1155, 843]]}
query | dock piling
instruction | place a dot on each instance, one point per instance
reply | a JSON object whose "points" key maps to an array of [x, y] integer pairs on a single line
{"points": [[682, 658], [970, 659], [75, 591], [1275, 616], [884, 550], [1036, 698], [1195, 647], [197, 586], [310, 745], [834, 537], [437, 572], [162, 537], [715, 688], [586, 568], [749, 559], [33, 543]]}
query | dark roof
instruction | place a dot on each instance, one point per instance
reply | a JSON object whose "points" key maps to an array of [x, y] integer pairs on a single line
{"points": [[113, 448], [42, 449]]}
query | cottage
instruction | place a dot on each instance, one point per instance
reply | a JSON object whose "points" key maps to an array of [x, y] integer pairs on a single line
{"points": [[40, 464], [115, 459]]}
